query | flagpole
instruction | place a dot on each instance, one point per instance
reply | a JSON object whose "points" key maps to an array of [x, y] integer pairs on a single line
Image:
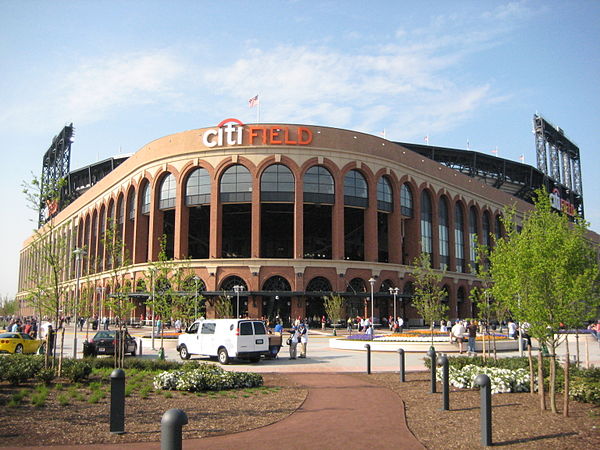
{"points": [[258, 109]]}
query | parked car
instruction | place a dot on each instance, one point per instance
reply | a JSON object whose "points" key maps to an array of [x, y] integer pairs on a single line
{"points": [[18, 343], [225, 339], [104, 343]]}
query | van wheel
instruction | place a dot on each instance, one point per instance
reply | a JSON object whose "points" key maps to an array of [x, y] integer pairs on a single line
{"points": [[183, 352], [223, 356]]}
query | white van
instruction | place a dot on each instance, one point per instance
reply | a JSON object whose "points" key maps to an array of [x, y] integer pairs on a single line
{"points": [[225, 339]]}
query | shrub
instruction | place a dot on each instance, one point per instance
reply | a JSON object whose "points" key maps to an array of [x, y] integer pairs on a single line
{"points": [[585, 391], [502, 380], [76, 369], [205, 377], [45, 375], [17, 368]]}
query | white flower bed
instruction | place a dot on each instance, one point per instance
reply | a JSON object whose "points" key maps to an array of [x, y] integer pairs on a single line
{"points": [[502, 380], [205, 377]]}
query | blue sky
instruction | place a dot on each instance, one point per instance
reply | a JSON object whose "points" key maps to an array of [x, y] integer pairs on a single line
{"points": [[128, 72]]}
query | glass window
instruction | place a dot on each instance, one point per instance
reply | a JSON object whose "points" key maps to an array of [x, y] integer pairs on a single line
{"points": [[208, 328], [246, 329], [459, 238], [146, 199], [197, 190], [472, 238], [236, 185], [406, 201], [318, 185], [259, 328], [485, 225], [277, 184], [355, 185], [444, 234], [384, 195], [168, 190], [498, 227], [426, 223], [131, 204]]}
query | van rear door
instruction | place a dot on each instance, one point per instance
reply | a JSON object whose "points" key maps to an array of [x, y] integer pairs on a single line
{"points": [[261, 339], [246, 337]]}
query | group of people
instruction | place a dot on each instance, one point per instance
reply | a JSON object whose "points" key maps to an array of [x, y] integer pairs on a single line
{"points": [[298, 337], [460, 330], [28, 326]]}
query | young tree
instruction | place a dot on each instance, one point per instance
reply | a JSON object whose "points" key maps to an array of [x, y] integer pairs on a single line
{"points": [[429, 293], [334, 308], [223, 306], [541, 271], [118, 301], [50, 250]]}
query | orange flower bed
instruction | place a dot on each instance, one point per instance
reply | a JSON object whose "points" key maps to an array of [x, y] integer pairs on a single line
{"points": [[437, 333]]}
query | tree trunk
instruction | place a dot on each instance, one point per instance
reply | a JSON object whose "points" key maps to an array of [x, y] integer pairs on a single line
{"points": [[60, 358], [531, 372], [577, 359], [566, 387], [541, 380], [587, 354], [494, 341], [552, 392]]}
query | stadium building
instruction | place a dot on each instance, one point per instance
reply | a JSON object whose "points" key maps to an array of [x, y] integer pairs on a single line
{"points": [[281, 215]]}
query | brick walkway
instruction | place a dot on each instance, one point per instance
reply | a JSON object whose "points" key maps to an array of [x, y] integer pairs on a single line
{"points": [[340, 411]]}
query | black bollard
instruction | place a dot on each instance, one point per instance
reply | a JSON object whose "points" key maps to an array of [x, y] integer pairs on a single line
{"points": [[170, 429], [117, 401], [402, 374], [431, 354], [443, 361], [485, 414], [368, 347], [140, 352]]}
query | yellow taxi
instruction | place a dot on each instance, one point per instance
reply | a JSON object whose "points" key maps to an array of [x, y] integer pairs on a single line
{"points": [[18, 343]]}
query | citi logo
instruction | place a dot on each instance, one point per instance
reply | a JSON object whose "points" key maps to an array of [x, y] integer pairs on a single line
{"points": [[232, 132]]}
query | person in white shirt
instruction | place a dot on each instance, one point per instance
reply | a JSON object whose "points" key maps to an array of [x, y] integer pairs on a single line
{"points": [[458, 333]]}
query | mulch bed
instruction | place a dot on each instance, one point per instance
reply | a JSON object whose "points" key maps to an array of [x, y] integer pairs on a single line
{"points": [[517, 421], [209, 414]]}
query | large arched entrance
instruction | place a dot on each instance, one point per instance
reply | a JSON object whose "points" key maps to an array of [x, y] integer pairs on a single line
{"points": [[277, 307], [356, 304], [315, 309], [228, 286]]}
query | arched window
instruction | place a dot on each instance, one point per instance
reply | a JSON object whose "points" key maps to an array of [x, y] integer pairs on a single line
{"points": [[356, 192], [318, 284], [384, 195], [168, 189], [120, 211], [426, 224], [444, 234], [406, 201], [318, 185], [236, 184], [498, 227], [473, 238], [277, 184], [197, 189], [228, 283], [146, 199], [459, 238], [131, 205], [485, 229]]}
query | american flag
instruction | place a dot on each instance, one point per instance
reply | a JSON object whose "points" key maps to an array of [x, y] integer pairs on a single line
{"points": [[426, 139], [253, 101]]}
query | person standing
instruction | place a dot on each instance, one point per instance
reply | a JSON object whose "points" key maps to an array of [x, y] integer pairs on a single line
{"points": [[303, 340], [458, 332], [294, 342], [512, 329], [472, 329], [400, 324]]}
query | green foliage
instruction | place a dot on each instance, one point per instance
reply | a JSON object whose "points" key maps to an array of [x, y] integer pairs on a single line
{"points": [[17, 368], [45, 375], [76, 369], [334, 307], [429, 293], [39, 398], [585, 391], [63, 400], [205, 377], [546, 273], [223, 306], [150, 365]]}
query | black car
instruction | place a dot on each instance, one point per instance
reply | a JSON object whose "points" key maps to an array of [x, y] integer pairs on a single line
{"points": [[104, 343]]}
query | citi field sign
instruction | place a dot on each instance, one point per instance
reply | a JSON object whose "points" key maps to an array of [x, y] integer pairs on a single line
{"points": [[232, 132], [562, 205]]}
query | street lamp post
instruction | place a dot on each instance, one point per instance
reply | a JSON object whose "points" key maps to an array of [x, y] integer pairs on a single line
{"points": [[372, 283], [78, 252], [237, 289], [196, 279], [394, 292], [152, 282]]}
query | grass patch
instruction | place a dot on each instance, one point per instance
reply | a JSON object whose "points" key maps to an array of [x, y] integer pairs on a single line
{"points": [[63, 400]]}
